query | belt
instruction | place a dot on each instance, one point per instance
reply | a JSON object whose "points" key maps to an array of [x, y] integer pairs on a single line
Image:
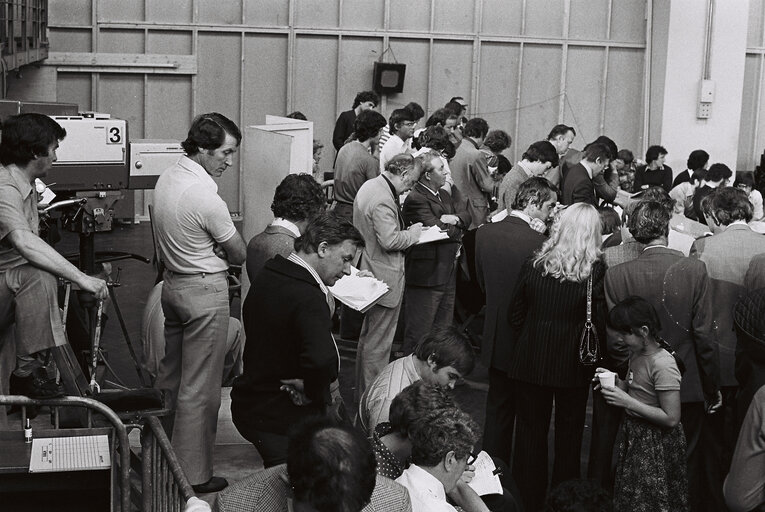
{"points": [[203, 274]]}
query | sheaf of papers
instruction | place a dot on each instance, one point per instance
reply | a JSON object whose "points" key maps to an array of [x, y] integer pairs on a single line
{"points": [[485, 481], [432, 234], [359, 293]]}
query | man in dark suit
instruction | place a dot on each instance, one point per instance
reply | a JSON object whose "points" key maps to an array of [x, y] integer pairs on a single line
{"points": [[365, 100], [501, 249], [287, 317], [431, 269], [680, 291], [578, 184]]}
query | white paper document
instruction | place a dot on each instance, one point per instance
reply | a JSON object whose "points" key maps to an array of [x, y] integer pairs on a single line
{"points": [[485, 481], [78, 453], [359, 293], [432, 234]]}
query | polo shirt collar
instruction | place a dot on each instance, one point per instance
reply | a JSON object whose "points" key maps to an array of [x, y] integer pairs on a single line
{"points": [[521, 215], [20, 180], [426, 483], [288, 225], [198, 171]]}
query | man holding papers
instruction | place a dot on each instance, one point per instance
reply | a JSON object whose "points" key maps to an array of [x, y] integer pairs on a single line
{"points": [[377, 215], [431, 268], [291, 360]]}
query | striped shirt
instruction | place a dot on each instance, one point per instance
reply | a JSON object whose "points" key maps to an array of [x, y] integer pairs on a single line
{"points": [[375, 404]]}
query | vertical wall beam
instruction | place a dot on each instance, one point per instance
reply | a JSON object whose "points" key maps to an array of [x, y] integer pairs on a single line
{"points": [[431, 44], [94, 48], [195, 52], [647, 74], [564, 61], [604, 77], [291, 56], [386, 42], [752, 157], [475, 84]]}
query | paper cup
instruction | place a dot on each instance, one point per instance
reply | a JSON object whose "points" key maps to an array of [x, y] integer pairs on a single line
{"points": [[607, 380]]}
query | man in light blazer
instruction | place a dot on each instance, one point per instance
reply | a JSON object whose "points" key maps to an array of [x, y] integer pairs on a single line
{"points": [[727, 255], [377, 216]]}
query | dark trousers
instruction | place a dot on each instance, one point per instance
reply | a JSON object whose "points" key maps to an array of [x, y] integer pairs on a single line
{"points": [[426, 307], [500, 416], [605, 427], [272, 447], [534, 408], [718, 439], [693, 419]]}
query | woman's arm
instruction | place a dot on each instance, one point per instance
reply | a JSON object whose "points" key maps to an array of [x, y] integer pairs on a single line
{"points": [[666, 415]]}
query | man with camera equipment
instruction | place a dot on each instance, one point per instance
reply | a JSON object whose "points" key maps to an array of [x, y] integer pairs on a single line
{"points": [[28, 266]]}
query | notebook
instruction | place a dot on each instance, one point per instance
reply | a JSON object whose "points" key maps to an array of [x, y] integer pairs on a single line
{"points": [[78, 453]]}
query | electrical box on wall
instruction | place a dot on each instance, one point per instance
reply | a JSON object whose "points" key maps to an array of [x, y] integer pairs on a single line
{"points": [[706, 97]]}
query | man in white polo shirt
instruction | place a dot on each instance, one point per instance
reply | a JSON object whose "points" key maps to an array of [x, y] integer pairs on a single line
{"points": [[197, 242]]}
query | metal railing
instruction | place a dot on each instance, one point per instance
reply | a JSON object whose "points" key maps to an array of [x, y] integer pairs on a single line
{"points": [[164, 485]]}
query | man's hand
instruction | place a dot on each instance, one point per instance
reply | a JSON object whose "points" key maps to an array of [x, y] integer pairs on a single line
{"points": [[713, 407], [220, 252], [94, 285], [416, 229], [365, 273], [468, 474], [295, 388], [450, 219]]}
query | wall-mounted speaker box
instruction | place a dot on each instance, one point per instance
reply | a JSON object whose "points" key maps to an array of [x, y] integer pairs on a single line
{"points": [[388, 77]]}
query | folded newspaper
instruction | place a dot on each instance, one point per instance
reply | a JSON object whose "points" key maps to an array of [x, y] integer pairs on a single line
{"points": [[359, 293], [486, 478]]}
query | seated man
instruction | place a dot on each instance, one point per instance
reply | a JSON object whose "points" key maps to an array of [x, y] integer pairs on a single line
{"points": [[298, 198], [442, 357], [291, 361], [329, 468], [442, 445], [28, 266], [153, 339]]}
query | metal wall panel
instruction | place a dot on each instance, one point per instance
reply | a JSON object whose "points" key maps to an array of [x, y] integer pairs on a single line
{"points": [[584, 72], [748, 145], [121, 10], [454, 16], [363, 14], [623, 115], [317, 13], [122, 41], [269, 13], [218, 90], [502, 17], [416, 55], [355, 66], [754, 36], [125, 92], [169, 42], [265, 77], [224, 12], [177, 11], [168, 115], [410, 15], [452, 70], [589, 19], [315, 83], [74, 88], [545, 18], [628, 21], [70, 40], [70, 12], [498, 89], [540, 92]]}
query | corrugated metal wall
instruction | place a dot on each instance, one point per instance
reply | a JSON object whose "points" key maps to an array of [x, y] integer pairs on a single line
{"points": [[524, 65], [751, 142]]}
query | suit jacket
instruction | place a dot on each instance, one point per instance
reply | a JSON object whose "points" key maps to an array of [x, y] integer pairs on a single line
{"points": [[501, 249], [432, 264], [548, 316], [470, 172], [264, 246], [623, 253], [679, 290], [578, 187], [268, 490], [344, 127], [508, 188], [376, 216], [289, 336], [727, 256]]}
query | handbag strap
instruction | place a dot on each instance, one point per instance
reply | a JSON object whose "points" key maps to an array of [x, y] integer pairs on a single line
{"points": [[589, 300]]}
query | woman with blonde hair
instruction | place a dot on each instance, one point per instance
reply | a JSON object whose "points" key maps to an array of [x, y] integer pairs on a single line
{"points": [[548, 315]]}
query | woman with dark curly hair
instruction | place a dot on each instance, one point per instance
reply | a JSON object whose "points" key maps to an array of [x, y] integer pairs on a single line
{"points": [[297, 200]]}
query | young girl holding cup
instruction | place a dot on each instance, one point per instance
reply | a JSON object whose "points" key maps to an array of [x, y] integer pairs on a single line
{"points": [[651, 468]]}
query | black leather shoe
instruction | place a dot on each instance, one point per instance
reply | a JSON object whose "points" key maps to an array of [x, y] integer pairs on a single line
{"points": [[214, 484], [34, 387]]}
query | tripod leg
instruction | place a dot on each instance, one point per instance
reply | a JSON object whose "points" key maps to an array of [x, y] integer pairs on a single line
{"points": [[129, 343]]}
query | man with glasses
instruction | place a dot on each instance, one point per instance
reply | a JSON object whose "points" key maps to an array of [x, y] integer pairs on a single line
{"points": [[197, 242], [401, 126], [441, 450]]}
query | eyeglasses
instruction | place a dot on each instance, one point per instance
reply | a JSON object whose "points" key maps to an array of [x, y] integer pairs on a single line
{"points": [[472, 457]]}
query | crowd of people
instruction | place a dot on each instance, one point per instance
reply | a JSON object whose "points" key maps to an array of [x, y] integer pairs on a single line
{"points": [[605, 278]]}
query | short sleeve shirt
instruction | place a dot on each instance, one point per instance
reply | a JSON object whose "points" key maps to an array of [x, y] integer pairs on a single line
{"points": [[18, 210], [375, 404], [190, 217], [651, 373]]}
